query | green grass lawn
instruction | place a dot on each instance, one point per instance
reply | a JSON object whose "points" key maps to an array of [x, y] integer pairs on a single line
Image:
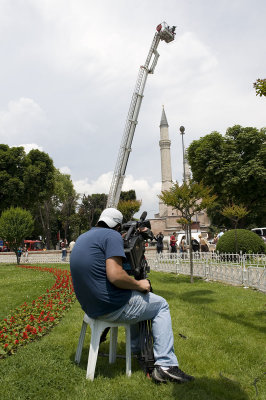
{"points": [[224, 347], [18, 286]]}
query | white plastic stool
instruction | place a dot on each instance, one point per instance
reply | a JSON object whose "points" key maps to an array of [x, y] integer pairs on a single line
{"points": [[97, 327]]}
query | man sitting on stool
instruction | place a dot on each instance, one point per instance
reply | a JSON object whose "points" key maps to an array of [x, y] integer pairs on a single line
{"points": [[105, 291]]}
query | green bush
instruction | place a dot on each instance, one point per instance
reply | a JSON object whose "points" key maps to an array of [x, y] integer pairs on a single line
{"points": [[247, 242], [15, 225]]}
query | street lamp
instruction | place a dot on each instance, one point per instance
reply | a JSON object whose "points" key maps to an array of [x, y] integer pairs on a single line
{"points": [[182, 132]]}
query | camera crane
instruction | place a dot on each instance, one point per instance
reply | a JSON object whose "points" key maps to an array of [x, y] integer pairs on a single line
{"points": [[164, 33]]}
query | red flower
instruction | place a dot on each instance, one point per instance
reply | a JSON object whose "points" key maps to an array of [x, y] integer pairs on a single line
{"points": [[25, 335], [62, 289]]}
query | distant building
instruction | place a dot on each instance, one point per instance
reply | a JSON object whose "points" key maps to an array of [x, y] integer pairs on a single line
{"points": [[165, 220]]}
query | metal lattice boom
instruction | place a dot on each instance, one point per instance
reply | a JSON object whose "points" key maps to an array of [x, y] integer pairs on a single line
{"points": [[167, 34]]}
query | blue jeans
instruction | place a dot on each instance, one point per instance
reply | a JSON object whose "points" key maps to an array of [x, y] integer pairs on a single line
{"points": [[141, 307]]}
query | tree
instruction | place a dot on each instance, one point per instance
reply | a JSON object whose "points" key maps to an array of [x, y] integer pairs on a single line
{"points": [[90, 210], [50, 213], [235, 213], [15, 225], [65, 201], [26, 180], [234, 167], [92, 206], [128, 208], [12, 167], [189, 199], [39, 178], [128, 204], [260, 87], [128, 195]]}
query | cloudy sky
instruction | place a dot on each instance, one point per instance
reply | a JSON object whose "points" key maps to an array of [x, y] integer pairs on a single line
{"points": [[68, 70]]}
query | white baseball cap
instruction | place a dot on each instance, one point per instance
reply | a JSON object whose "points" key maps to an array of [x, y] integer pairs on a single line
{"points": [[111, 216]]}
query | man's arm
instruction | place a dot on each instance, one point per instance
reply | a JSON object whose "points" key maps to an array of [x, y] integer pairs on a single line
{"points": [[118, 277]]}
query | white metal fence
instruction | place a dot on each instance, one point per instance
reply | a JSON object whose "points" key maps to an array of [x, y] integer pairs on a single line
{"points": [[35, 257], [237, 269]]}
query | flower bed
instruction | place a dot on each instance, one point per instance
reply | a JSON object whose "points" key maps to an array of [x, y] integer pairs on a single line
{"points": [[31, 321]]}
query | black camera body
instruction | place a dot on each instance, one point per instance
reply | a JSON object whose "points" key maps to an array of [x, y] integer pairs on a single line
{"points": [[135, 236]]}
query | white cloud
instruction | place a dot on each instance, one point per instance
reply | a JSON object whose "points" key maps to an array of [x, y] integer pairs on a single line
{"points": [[145, 191], [23, 119], [30, 146], [187, 64], [65, 170], [191, 49], [78, 41], [100, 185]]}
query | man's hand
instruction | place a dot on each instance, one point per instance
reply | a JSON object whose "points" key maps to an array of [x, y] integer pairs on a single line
{"points": [[144, 285], [118, 276]]}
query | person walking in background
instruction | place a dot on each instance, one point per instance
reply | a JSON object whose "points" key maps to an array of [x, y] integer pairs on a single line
{"points": [[215, 239], [64, 252], [25, 254], [183, 245], [203, 244], [173, 242], [159, 239], [220, 234], [71, 245], [19, 253], [195, 245]]}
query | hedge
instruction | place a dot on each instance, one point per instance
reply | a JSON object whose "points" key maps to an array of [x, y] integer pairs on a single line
{"points": [[247, 242]]}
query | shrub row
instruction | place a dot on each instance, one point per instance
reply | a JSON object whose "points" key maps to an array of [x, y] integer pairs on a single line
{"points": [[234, 241]]}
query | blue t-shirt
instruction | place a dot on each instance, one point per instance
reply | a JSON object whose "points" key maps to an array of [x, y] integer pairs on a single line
{"points": [[96, 294]]}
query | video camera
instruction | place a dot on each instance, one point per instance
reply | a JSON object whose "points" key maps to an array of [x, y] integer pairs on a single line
{"points": [[136, 233]]}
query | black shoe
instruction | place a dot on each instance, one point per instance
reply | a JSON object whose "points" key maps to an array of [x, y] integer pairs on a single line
{"points": [[173, 374]]}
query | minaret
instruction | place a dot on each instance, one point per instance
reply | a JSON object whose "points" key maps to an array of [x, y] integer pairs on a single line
{"points": [[166, 168]]}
